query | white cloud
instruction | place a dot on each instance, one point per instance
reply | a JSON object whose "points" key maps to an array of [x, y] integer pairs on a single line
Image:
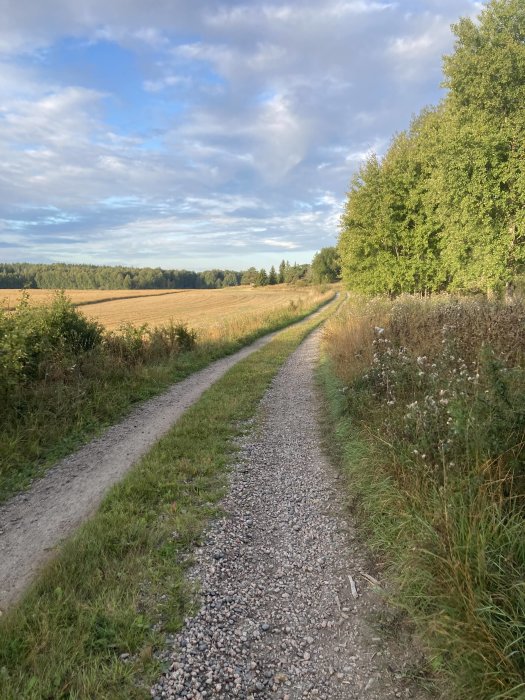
{"points": [[253, 117], [276, 243]]}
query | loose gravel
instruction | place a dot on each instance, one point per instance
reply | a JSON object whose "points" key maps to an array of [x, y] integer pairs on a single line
{"points": [[286, 609]]}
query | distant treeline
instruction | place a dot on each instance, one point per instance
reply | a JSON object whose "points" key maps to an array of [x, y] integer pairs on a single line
{"points": [[65, 276]]}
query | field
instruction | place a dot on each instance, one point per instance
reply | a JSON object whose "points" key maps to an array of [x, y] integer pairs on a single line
{"points": [[201, 309], [9, 298], [63, 377]]}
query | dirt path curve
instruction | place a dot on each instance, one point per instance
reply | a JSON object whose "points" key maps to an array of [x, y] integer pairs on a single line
{"points": [[279, 618], [33, 523]]}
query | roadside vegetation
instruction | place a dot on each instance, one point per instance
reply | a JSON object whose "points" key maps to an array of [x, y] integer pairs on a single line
{"points": [[91, 624], [63, 377], [428, 404], [428, 392]]}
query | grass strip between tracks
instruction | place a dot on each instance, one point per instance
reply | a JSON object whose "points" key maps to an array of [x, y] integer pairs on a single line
{"points": [[89, 626]]}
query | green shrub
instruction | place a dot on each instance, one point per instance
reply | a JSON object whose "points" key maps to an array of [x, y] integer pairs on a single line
{"points": [[38, 341]]}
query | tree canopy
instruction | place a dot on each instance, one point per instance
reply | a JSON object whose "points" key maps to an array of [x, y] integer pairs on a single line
{"points": [[326, 266], [69, 276], [444, 208]]}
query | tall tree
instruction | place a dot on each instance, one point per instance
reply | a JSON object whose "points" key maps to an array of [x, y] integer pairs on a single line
{"points": [[445, 207], [484, 154], [326, 265], [282, 271]]}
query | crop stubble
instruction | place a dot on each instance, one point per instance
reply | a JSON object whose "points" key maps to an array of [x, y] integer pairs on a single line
{"points": [[199, 308]]}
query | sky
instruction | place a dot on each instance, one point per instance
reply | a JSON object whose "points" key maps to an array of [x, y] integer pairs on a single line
{"points": [[196, 133]]}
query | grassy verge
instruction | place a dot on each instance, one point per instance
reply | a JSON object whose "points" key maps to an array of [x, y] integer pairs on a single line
{"points": [[118, 585], [56, 395], [427, 402]]}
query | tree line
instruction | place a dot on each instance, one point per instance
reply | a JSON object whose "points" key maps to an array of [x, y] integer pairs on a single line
{"points": [[444, 208], [66, 276]]}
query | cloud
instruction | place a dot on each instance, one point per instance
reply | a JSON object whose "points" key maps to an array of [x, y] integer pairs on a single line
{"points": [[202, 132]]}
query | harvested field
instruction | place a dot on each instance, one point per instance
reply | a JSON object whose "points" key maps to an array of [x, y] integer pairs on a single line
{"points": [[215, 310], [9, 298], [199, 308]]}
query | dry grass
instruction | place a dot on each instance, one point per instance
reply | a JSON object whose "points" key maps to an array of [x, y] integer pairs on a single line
{"points": [[214, 312], [200, 309], [9, 298], [430, 405]]}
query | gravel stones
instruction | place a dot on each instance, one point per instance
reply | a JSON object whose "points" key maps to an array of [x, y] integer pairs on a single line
{"points": [[277, 616]]}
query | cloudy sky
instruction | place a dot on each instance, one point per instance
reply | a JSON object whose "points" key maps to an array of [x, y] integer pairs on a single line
{"points": [[201, 133]]}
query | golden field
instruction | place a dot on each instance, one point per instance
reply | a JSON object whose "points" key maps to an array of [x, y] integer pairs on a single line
{"points": [[9, 298], [215, 311]]}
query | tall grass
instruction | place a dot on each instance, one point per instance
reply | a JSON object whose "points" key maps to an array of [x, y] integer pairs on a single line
{"points": [[63, 377], [430, 403]]}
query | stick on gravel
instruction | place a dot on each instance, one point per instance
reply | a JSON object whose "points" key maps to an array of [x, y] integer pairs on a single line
{"points": [[278, 617]]}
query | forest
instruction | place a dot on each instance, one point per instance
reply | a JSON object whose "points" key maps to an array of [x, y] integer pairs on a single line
{"points": [[443, 209], [68, 276]]}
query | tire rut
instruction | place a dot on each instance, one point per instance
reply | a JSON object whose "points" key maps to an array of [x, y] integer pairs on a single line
{"points": [[35, 522], [286, 607]]}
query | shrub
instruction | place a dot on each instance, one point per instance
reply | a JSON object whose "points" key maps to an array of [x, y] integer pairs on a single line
{"points": [[34, 339]]}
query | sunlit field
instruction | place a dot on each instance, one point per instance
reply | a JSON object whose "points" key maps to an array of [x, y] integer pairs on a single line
{"points": [[206, 310], [9, 298], [198, 308]]}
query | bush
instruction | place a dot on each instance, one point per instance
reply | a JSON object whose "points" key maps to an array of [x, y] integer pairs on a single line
{"points": [[137, 344], [34, 339]]}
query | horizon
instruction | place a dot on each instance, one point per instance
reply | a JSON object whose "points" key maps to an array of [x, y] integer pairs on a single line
{"points": [[223, 136]]}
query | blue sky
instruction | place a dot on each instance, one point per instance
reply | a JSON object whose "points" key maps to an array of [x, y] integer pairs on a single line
{"points": [[201, 134]]}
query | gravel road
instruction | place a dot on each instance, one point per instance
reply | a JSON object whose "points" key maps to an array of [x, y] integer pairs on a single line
{"points": [[33, 523], [286, 611]]}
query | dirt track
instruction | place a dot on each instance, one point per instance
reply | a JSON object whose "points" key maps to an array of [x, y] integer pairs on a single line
{"points": [[32, 524], [287, 611]]}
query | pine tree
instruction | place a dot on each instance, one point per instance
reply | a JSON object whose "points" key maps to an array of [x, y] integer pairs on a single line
{"points": [[282, 271]]}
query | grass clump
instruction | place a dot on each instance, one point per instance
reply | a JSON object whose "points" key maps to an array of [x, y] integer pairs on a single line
{"points": [[63, 377], [118, 585], [429, 398]]}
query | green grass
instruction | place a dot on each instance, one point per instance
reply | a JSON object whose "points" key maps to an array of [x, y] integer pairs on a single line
{"points": [[118, 586], [44, 420]]}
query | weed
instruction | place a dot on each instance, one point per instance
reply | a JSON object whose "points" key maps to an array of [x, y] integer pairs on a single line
{"points": [[431, 406]]}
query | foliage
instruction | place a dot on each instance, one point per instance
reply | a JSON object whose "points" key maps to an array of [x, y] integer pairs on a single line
{"points": [[432, 409], [326, 266], [37, 341], [262, 278], [66, 276], [444, 209]]}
